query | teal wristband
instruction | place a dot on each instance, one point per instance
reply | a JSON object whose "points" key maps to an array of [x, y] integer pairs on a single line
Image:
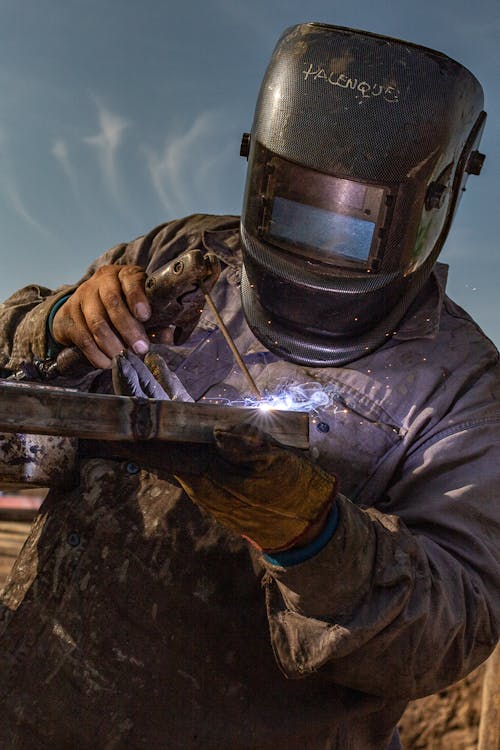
{"points": [[301, 554], [53, 347]]}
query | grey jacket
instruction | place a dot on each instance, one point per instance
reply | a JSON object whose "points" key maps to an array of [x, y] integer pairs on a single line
{"points": [[132, 620]]}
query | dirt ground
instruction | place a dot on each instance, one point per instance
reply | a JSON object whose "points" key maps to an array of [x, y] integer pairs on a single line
{"points": [[448, 720]]}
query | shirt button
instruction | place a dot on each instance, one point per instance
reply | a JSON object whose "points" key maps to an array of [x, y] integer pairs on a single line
{"points": [[132, 468], [323, 427], [73, 539]]}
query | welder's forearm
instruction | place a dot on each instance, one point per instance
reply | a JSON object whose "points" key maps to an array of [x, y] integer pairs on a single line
{"points": [[380, 610], [23, 324], [24, 317]]}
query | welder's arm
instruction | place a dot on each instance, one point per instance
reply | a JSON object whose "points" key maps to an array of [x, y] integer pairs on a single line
{"points": [[24, 317], [405, 599]]}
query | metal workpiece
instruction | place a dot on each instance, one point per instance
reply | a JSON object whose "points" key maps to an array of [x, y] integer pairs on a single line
{"points": [[58, 411]]}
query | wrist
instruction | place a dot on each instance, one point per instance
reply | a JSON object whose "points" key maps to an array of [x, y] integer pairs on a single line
{"points": [[53, 344], [314, 529], [299, 554]]}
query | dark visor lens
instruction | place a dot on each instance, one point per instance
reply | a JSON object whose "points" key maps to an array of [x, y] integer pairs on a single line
{"points": [[326, 233], [318, 216]]}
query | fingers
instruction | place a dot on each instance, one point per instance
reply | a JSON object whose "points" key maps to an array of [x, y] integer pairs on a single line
{"points": [[132, 283], [106, 310], [70, 328], [100, 317]]}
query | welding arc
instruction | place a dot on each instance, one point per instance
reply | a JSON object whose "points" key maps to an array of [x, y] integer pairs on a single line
{"points": [[232, 345]]}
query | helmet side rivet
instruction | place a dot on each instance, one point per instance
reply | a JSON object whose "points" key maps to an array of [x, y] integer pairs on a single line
{"points": [[435, 196]]}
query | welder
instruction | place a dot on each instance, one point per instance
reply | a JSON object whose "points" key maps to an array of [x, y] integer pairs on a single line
{"points": [[281, 598]]}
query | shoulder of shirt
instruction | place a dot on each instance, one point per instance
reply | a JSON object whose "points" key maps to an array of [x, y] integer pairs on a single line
{"points": [[198, 224], [171, 238]]}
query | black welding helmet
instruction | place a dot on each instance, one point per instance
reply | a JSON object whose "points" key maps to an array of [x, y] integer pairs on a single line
{"points": [[358, 154]]}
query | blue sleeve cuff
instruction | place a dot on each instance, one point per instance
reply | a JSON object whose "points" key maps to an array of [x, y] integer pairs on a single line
{"points": [[301, 554], [53, 348]]}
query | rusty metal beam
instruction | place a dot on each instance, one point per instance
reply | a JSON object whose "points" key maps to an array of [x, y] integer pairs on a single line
{"points": [[43, 410]]}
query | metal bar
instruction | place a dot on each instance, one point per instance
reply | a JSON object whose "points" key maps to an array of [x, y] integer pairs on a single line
{"points": [[43, 410]]}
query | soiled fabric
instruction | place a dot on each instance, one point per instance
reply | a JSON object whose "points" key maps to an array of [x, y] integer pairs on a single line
{"points": [[133, 620]]}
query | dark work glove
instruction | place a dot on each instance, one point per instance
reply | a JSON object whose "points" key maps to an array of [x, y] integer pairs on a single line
{"points": [[149, 379]]}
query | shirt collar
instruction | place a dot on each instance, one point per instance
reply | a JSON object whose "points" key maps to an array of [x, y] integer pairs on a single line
{"points": [[424, 315]]}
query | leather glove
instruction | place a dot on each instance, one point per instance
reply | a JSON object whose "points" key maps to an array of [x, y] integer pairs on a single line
{"points": [[248, 482], [269, 494], [149, 379]]}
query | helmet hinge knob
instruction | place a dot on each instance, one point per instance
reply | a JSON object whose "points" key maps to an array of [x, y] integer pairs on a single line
{"points": [[475, 162], [245, 145]]}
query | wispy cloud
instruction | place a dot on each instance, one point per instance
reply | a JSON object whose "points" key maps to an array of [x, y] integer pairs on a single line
{"points": [[106, 143], [60, 152], [19, 206], [12, 194], [186, 173]]}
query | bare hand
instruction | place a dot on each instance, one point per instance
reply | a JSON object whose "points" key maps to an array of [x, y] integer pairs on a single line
{"points": [[105, 315]]}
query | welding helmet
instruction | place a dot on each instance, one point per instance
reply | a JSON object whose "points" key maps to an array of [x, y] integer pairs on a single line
{"points": [[357, 158]]}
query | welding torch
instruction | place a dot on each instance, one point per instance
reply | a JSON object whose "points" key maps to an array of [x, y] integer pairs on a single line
{"points": [[173, 291]]}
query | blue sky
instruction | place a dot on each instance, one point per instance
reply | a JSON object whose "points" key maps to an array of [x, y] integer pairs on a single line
{"points": [[117, 115]]}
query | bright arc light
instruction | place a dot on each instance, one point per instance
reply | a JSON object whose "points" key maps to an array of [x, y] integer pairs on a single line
{"points": [[304, 397], [265, 407], [309, 397]]}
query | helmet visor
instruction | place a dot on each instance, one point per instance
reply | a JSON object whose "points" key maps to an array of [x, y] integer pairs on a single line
{"points": [[318, 216]]}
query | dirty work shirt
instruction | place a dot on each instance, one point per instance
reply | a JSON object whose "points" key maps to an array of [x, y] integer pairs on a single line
{"points": [[132, 620]]}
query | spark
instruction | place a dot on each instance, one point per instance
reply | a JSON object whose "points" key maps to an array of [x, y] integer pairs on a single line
{"points": [[309, 397]]}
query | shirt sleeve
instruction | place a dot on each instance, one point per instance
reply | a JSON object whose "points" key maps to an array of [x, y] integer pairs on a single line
{"points": [[405, 598], [24, 316]]}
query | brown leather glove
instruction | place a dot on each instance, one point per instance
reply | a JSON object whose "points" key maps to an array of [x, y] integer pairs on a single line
{"points": [[267, 493]]}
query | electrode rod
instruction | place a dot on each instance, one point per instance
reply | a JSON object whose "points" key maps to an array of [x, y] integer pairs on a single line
{"points": [[232, 345]]}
